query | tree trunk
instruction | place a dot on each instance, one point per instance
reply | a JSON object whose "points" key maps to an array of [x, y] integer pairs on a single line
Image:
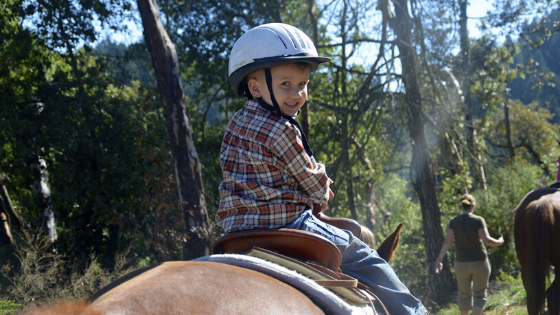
{"points": [[422, 173], [510, 147], [304, 118], [345, 133], [371, 206], [5, 231], [187, 164], [450, 150], [371, 203], [451, 154], [14, 219], [345, 148], [43, 191], [476, 168], [466, 86], [9, 219]]}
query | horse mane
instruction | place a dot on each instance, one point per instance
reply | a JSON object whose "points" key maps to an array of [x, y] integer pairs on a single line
{"points": [[64, 308]]}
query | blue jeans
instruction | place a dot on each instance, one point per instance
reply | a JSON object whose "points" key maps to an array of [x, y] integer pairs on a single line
{"points": [[363, 263]]}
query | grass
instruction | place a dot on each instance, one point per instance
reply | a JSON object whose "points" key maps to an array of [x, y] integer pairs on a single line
{"points": [[507, 297], [37, 276]]}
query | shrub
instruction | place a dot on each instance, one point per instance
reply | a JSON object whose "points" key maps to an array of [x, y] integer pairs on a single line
{"points": [[40, 276], [8, 307]]}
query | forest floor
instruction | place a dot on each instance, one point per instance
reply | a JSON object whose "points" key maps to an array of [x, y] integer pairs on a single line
{"points": [[506, 297]]}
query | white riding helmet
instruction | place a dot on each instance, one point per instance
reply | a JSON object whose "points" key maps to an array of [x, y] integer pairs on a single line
{"points": [[267, 46]]}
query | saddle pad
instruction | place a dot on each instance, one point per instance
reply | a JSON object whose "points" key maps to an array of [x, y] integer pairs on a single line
{"points": [[328, 301], [342, 288]]}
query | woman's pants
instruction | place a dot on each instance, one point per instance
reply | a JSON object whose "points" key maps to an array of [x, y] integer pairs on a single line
{"points": [[472, 280]]}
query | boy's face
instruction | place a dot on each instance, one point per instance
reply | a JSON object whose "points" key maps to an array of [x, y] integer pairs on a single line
{"points": [[289, 84]]}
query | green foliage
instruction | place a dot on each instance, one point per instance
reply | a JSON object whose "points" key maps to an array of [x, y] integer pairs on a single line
{"points": [[541, 76], [507, 187], [8, 307], [527, 69], [509, 184], [452, 188], [491, 72], [506, 296], [103, 143], [512, 292], [64, 24], [533, 136], [410, 260]]}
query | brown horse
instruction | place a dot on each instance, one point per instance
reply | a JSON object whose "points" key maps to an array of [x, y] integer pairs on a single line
{"points": [[537, 233], [190, 287], [199, 287]]}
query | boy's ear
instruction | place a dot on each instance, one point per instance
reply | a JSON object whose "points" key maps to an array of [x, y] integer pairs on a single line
{"points": [[254, 88]]}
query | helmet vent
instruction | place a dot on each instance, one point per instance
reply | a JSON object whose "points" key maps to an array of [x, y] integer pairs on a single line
{"points": [[280, 39], [301, 41], [293, 39]]}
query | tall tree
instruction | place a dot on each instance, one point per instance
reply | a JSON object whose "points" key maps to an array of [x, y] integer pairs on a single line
{"points": [[13, 219], [473, 156], [422, 173], [6, 208], [312, 11], [187, 164]]}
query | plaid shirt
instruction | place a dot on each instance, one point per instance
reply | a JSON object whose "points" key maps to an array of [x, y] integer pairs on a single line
{"points": [[269, 179]]}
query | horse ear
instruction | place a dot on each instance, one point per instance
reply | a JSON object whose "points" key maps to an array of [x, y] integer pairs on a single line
{"points": [[389, 246]]}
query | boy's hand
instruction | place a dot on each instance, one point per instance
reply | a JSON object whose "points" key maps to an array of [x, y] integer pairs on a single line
{"points": [[323, 207], [329, 195], [318, 208]]}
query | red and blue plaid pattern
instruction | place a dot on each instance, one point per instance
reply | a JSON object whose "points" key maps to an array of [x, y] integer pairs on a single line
{"points": [[268, 178]]}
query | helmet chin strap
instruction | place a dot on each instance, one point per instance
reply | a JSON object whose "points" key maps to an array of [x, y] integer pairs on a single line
{"points": [[275, 109], [268, 77]]}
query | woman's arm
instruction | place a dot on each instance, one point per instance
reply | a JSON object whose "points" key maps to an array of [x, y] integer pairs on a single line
{"points": [[489, 240], [444, 248]]}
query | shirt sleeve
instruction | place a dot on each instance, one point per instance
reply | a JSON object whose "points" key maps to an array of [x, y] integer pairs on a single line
{"points": [[310, 176], [481, 223]]}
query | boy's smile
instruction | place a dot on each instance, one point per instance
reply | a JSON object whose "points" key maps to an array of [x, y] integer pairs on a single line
{"points": [[289, 84]]}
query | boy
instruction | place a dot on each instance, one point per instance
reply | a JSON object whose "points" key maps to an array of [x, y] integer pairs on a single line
{"points": [[271, 179]]}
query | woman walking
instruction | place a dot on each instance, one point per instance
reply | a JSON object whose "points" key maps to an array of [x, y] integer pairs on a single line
{"points": [[472, 267]]}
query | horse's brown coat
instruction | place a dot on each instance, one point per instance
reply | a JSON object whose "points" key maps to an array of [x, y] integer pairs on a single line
{"points": [[204, 288], [190, 287], [537, 233]]}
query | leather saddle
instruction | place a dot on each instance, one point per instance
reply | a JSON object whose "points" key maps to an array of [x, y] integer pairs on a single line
{"points": [[302, 245], [314, 250]]}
